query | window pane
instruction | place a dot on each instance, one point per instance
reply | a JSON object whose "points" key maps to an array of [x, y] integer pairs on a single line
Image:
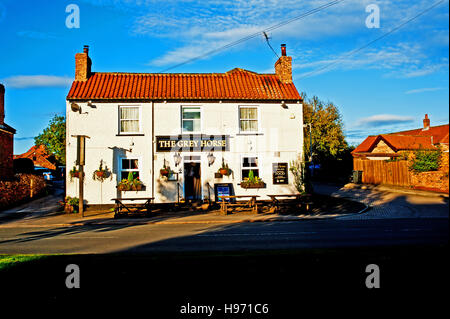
{"points": [[246, 171], [129, 113], [124, 174], [249, 113], [196, 124], [125, 163], [129, 126], [250, 162], [191, 113], [134, 164], [188, 126]]}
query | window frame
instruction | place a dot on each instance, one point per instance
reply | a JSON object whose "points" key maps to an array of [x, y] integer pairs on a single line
{"points": [[182, 119], [258, 167], [258, 119], [121, 169], [139, 107]]}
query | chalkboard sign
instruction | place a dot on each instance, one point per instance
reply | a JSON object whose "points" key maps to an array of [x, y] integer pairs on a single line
{"points": [[223, 189], [280, 173]]}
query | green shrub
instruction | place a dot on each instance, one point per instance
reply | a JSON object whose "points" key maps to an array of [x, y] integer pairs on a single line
{"points": [[425, 161]]}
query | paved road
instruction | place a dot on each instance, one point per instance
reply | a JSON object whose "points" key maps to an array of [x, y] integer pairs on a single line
{"points": [[390, 204], [393, 218], [242, 236]]}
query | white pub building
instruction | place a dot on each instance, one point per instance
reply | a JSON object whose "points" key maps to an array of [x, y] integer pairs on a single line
{"points": [[183, 136]]}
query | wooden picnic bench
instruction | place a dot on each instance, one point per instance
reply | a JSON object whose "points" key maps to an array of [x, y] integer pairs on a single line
{"points": [[122, 208], [304, 200], [251, 203]]}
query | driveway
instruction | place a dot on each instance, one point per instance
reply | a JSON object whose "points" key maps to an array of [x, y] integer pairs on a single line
{"points": [[385, 203]]}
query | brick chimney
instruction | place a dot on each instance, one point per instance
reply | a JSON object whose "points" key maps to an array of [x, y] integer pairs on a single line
{"points": [[283, 67], [2, 104], [83, 65], [426, 122]]}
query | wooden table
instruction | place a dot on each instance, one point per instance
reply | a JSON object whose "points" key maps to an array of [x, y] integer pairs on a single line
{"points": [[302, 199], [122, 208], [251, 203]]}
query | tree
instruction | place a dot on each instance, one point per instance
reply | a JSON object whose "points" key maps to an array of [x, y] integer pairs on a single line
{"points": [[328, 144], [54, 138]]}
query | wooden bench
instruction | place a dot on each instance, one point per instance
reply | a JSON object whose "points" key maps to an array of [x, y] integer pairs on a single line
{"points": [[277, 201], [122, 208], [251, 203]]}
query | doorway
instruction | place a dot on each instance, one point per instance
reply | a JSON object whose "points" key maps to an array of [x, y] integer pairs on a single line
{"points": [[192, 178]]}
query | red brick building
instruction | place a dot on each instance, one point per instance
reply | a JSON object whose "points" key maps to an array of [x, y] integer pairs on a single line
{"points": [[6, 141], [388, 146]]}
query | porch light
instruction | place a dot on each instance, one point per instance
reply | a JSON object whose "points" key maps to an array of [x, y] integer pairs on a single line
{"points": [[177, 159], [211, 159]]}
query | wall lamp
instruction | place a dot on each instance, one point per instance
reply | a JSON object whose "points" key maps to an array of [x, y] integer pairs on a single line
{"points": [[211, 159]]}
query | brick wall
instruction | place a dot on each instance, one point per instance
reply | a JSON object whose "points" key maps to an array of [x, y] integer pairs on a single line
{"points": [[6, 155], [283, 68], [25, 187], [382, 147]]}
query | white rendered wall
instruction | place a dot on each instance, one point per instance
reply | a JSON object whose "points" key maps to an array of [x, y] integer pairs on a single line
{"points": [[280, 130]]}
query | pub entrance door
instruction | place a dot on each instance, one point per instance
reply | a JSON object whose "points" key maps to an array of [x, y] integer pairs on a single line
{"points": [[192, 178]]}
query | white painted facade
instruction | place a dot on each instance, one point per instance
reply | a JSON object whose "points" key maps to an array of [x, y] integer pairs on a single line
{"points": [[279, 139]]}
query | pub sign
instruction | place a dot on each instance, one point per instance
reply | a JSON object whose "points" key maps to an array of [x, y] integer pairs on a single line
{"points": [[280, 173]]}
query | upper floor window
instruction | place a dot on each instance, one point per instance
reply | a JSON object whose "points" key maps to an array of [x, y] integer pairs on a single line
{"points": [[129, 119], [248, 119], [190, 119]]}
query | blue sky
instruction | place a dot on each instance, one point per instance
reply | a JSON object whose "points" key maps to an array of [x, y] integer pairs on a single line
{"points": [[386, 87]]}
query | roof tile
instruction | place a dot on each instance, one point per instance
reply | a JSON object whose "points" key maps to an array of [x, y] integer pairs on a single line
{"points": [[236, 84]]}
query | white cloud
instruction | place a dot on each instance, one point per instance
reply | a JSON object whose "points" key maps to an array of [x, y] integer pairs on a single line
{"points": [[423, 90], [383, 120], [30, 81]]}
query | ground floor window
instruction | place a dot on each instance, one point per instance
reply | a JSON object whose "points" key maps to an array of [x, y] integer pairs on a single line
{"points": [[129, 165], [248, 164]]}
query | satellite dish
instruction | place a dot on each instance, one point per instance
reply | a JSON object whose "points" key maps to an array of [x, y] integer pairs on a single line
{"points": [[75, 107]]}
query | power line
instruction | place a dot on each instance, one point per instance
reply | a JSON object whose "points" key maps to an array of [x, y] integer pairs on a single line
{"points": [[371, 42], [276, 26]]}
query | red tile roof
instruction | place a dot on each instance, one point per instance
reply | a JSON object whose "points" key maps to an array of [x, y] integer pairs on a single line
{"points": [[237, 84], [395, 142], [408, 140], [439, 133], [40, 157]]}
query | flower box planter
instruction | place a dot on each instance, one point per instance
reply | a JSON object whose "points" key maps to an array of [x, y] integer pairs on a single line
{"points": [[253, 185]]}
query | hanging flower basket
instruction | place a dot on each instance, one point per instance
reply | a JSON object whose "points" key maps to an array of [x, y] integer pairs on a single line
{"points": [[164, 172], [101, 173], [74, 173]]}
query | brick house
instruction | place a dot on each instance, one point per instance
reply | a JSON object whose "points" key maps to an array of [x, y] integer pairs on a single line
{"points": [[40, 157], [6, 141], [387, 158], [389, 146]]}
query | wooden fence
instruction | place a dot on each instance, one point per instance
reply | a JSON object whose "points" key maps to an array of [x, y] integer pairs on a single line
{"points": [[382, 172]]}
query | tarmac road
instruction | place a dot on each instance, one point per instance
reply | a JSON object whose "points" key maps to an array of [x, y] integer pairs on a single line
{"points": [[109, 238]]}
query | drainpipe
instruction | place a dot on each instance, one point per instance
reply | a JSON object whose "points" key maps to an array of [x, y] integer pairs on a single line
{"points": [[153, 149]]}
